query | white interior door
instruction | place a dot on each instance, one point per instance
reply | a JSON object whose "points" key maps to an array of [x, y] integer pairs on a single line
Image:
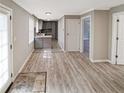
{"points": [[118, 39], [120, 47], [5, 51], [72, 34]]}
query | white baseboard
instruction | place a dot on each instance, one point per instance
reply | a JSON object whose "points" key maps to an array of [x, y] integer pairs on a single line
{"points": [[26, 61], [13, 79], [103, 60], [109, 61], [61, 47]]}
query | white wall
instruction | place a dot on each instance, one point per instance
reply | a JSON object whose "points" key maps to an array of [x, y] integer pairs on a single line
{"points": [[36, 25], [61, 33], [31, 29], [21, 48]]}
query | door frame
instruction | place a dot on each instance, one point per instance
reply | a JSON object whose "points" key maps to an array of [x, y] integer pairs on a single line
{"points": [[91, 36], [10, 16], [113, 38]]}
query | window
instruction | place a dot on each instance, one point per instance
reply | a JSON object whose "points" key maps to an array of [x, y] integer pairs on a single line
{"points": [[31, 29]]}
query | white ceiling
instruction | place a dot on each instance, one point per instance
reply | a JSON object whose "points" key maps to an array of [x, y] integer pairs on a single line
{"points": [[58, 8]]}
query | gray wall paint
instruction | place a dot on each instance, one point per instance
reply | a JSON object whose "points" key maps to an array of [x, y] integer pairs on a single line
{"points": [[72, 16], [22, 49], [101, 29]]}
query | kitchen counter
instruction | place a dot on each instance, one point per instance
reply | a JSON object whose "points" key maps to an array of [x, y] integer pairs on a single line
{"points": [[43, 36], [43, 41]]}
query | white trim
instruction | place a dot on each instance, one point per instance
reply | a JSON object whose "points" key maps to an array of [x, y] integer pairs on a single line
{"points": [[87, 11], [98, 61], [91, 36], [118, 13], [113, 40], [109, 61], [26, 61], [84, 12], [81, 37], [88, 16], [5, 7], [9, 11], [23, 66], [11, 28], [61, 47]]}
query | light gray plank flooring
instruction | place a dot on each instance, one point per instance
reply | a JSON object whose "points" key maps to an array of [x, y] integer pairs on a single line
{"points": [[71, 72]]}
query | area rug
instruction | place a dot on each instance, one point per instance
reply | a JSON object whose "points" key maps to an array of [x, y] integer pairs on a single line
{"points": [[29, 83]]}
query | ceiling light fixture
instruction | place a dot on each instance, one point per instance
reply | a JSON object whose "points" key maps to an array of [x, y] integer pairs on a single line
{"points": [[48, 13]]}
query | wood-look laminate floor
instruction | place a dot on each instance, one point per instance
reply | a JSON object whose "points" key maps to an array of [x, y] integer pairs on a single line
{"points": [[55, 45], [72, 73]]}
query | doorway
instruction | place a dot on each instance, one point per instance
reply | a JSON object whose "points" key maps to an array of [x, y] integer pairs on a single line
{"points": [[118, 39], [86, 29], [47, 35], [5, 49]]}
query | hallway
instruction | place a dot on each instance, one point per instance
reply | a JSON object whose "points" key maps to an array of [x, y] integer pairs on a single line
{"points": [[51, 46], [71, 72]]}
